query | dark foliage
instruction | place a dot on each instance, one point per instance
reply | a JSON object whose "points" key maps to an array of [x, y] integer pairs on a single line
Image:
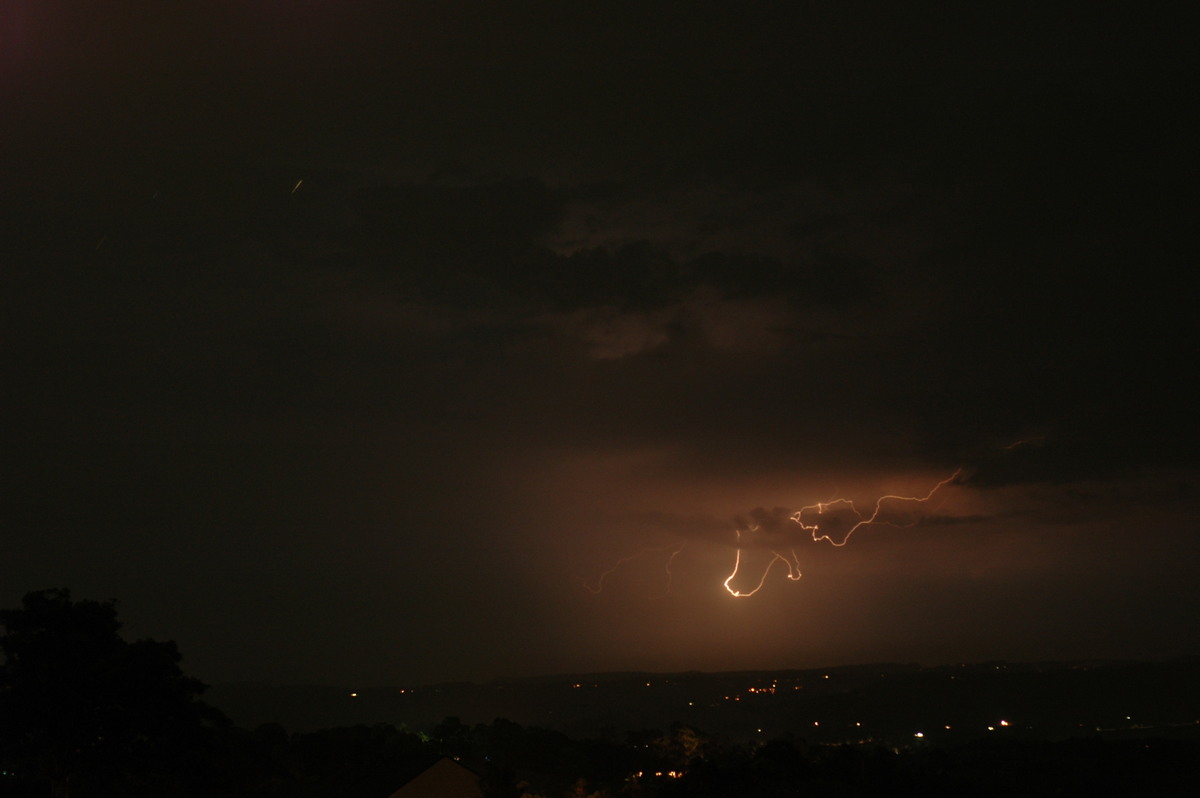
{"points": [[85, 712]]}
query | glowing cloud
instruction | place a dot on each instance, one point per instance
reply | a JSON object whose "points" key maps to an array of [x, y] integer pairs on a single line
{"points": [[775, 531], [599, 585], [826, 519]]}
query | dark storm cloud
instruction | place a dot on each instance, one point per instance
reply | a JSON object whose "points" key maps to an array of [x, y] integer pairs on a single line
{"points": [[429, 248], [827, 280], [954, 520], [1051, 460], [835, 521], [326, 286], [768, 528], [668, 529]]}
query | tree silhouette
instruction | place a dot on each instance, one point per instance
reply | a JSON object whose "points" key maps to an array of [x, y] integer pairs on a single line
{"points": [[87, 712]]}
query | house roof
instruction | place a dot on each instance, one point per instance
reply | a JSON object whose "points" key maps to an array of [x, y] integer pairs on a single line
{"points": [[443, 779]]}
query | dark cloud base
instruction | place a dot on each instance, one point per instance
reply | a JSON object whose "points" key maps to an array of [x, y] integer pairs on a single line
{"points": [[392, 316]]}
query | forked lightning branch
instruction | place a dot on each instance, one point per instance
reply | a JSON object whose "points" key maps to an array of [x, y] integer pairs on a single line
{"points": [[834, 521]]}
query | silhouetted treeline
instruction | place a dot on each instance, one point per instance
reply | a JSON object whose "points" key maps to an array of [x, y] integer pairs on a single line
{"points": [[982, 768], [681, 762], [356, 760], [85, 712]]}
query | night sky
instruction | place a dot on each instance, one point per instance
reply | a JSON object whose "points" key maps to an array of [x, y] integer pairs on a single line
{"points": [[391, 342]]}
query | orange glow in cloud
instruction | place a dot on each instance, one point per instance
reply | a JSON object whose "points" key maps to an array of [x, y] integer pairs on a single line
{"points": [[599, 585], [793, 566], [886, 512], [823, 508], [834, 521]]}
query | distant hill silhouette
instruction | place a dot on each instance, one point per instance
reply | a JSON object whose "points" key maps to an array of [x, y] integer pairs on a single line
{"points": [[887, 701]]}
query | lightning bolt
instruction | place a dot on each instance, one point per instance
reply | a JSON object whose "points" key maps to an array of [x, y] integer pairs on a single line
{"points": [[670, 561], [821, 508], [599, 584], [793, 566], [891, 510]]}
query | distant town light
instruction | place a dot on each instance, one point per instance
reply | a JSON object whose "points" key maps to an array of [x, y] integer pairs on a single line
{"points": [[919, 734], [1003, 723]]}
